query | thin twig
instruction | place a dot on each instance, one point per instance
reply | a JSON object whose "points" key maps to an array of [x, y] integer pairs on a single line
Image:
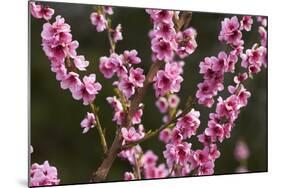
{"points": [[98, 125]]}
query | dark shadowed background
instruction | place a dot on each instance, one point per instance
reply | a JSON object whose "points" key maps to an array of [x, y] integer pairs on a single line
{"points": [[56, 135]]}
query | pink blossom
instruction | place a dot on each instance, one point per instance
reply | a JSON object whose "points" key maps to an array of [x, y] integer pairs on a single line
{"points": [[131, 153], [246, 23], [168, 80], [130, 134], [117, 33], [162, 104], [88, 122], [231, 62], [263, 35], [204, 139], [71, 81], [115, 103], [214, 153], [163, 48], [186, 42], [189, 123], [80, 63], [131, 57], [241, 151], [206, 169], [41, 175], [159, 16], [253, 59], [136, 119], [205, 93], [201, 156], [240, 77], [88, 90], [177, 153], [107, 67], [165, 30], [136, 77], [230, 31], [176, 136], [215, 131], [148, 159], [127, 87], [173, 101], [155, 172], [108, 10], [99, 21], [129, 176], [39, 11], [165, 135], [221, 63], [262, 20]]}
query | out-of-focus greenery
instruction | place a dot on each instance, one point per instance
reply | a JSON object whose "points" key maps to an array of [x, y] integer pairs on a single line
{"points": [[55, 117]]}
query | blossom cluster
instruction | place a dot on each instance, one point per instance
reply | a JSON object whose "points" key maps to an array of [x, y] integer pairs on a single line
{"points": [[146, 162], [40, 11], [43, 175], [165, 40], [213, 70], [100, 20], [59, 47]]}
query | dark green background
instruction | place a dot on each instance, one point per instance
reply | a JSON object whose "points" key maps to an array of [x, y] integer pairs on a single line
{"points": [[55, 117]]}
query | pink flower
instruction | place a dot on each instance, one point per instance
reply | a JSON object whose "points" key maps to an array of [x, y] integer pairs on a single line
{"points": [[155, 172], [130, 134], [204, 139], [168, 80], [107, 67], [88, 90], [241, 151], [201, 156], [115, 103], [88, 122], [215, 131], [221, 63], [131, 57], [41, 175], [136, 119], [246, 23], [253, 59], [162, 104], [230, 31], [117, 33], [189, 123], [130, 154], [206, 169], [176, 136], [159, 16], [214, 153], [149, 159], [186, 42], [240, 77], [263, 35], [165, 30], [71, 81], [108, 10], [205, 93], [262, 20], [80, 63], [38, 11], [99, 21], [127, 87], [129, 176], [162, 48], [231, 62], [173, 101], [165, 135], [178, 153], [136, 77]]}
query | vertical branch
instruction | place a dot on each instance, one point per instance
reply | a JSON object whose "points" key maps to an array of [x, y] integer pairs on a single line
{"points": [[98, 125]]}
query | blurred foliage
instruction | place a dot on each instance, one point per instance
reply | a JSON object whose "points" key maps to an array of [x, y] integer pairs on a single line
{"points": [[55, 117]]}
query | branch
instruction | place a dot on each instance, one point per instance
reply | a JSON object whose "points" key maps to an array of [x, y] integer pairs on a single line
{"points": [[157, 131], [98, 125]]}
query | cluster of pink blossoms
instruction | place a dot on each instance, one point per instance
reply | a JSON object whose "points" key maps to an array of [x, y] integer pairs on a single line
{"points": [[59, 47], [40, 11], [165, 43], [99, 19], [146, 162], [43, 175]]}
